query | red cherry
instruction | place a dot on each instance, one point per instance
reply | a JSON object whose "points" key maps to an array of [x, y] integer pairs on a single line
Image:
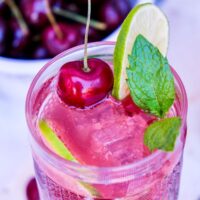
{"points": [[34, 12], [3, 35], [86, 1], [130, 107], [81, 89], [56, 45], [3, 8], [68, 5], [32, 190], [113, 12], [19, 39], [93, 36], [40, 52]]}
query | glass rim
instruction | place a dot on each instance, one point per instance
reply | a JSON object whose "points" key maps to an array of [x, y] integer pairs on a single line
{"points": [[65, 164]]}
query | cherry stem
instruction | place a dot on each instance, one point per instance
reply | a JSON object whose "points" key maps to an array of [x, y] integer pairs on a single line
{"points": [[52, 20], [86, 67], [17, 13], [80, 18]]}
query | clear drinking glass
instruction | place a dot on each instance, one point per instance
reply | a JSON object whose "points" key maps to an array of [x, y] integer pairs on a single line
{"points": [[155, 177]]}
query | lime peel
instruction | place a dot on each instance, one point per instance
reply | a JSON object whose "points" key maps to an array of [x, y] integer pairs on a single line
{"points": [[147, 20], [55, 143]]}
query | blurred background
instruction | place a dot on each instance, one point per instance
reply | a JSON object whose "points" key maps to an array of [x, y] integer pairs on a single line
{"points": [[25, 48]]}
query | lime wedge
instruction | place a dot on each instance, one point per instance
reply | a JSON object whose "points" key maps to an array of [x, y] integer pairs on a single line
{"points": [[55, 143], [58, 147], [145, 19]]}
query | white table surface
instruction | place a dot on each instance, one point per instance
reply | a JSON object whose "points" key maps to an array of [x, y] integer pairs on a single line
{"points": [[184, 55]]}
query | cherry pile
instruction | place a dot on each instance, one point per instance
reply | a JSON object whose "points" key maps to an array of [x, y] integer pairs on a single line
{"points": [[33, 36]]}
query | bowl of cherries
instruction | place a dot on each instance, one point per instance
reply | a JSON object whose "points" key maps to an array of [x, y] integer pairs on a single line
{"points": [[32, 30]]}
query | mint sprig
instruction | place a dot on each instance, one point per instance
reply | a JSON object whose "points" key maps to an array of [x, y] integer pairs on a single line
{"points": [[162, 134], [151, 85], [150, 79]]}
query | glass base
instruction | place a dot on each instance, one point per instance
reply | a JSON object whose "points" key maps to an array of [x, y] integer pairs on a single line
{"points": [[167, 188]]}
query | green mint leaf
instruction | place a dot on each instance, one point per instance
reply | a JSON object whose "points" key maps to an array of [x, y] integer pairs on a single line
{"points": [[150, 79], [162, 134]]}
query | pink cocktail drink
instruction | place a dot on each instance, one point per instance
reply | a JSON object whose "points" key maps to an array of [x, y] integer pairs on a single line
{"points": [[106, 139]]}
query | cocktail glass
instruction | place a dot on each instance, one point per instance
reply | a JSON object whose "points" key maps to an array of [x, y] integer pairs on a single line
{"points": [[151, 176]]}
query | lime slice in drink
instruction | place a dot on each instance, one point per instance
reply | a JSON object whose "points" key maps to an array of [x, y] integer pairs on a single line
{"points": [[59, 148], [145, 19], [54, 142]]}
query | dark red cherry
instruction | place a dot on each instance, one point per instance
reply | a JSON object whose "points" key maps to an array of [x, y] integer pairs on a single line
{"points": [[56, 45], [3, 8], [130, 107], [19, 39], [57, 4], [3, 35], [81, 89], [68, 5], [71, 6], [113, 12], [40, 52], [34, 12], [93, 36], [86, 1], [32, 190]]}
